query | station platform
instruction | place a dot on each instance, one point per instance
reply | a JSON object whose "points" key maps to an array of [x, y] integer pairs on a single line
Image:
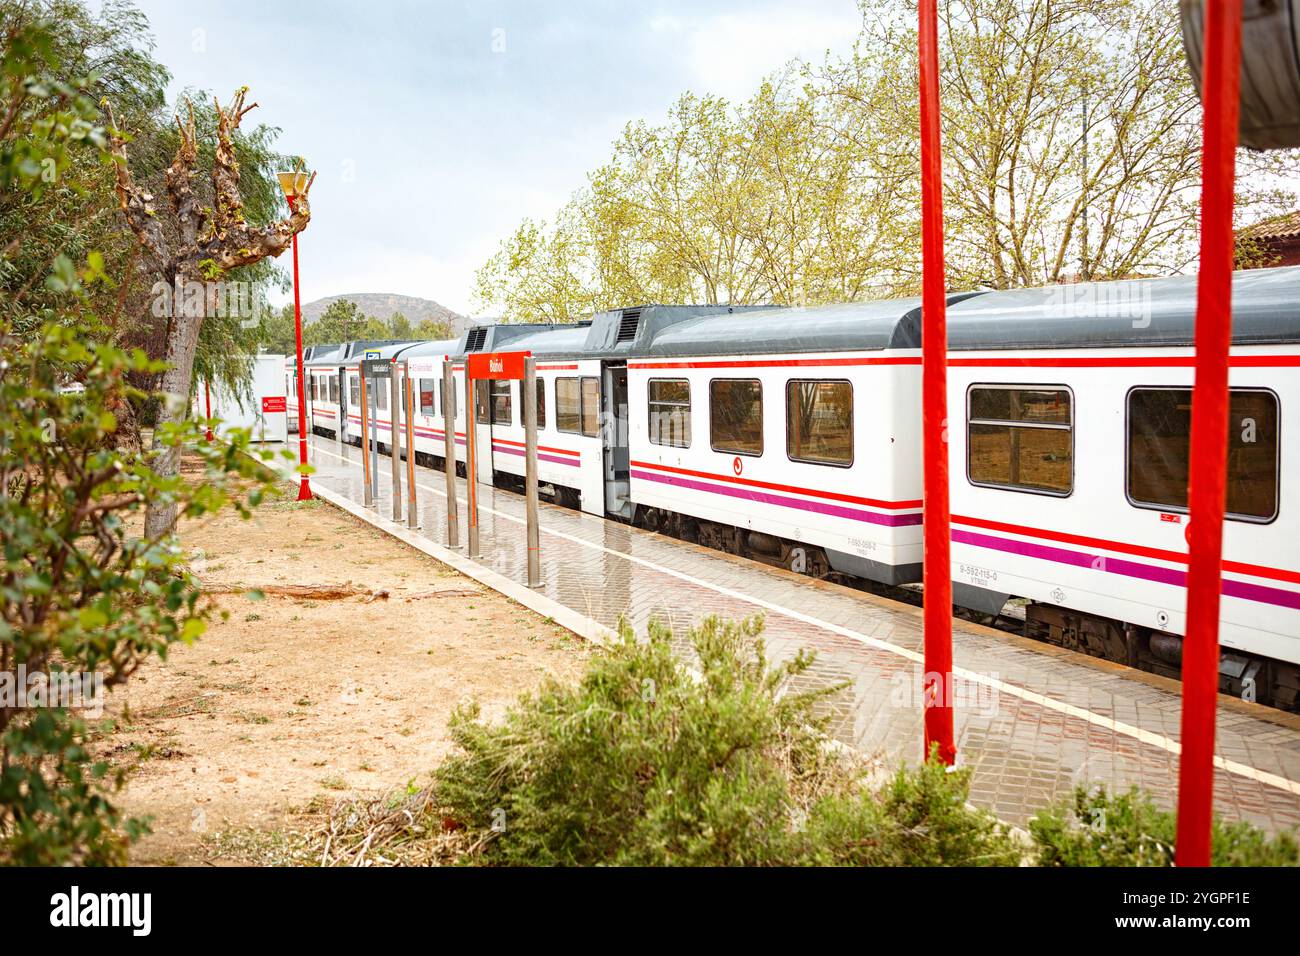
{"points": [[1032, 721]]}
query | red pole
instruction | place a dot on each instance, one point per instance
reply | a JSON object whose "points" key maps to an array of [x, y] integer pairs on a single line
{"points": [[304, 486], [937, 571], [207, 406], [1209, 449]]}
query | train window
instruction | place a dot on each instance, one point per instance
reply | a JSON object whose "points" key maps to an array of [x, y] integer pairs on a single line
{"points": [[541, 403], [428, 396], [1020, 438], [669, 402], [591, 407], [736, 415], [568, 405], [334, 388], [1159, 444], [380, 385], [354, 391], [499, 398], [819, 422]]}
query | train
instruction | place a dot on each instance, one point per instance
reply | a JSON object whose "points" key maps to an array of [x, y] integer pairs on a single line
{"points": [[793, 436]]}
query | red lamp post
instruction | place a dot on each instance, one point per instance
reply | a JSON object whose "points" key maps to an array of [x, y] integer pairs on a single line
{"points": [[294, 185]]}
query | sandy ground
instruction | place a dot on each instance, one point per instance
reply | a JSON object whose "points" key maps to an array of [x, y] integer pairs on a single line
{"points": [[288, 704]]}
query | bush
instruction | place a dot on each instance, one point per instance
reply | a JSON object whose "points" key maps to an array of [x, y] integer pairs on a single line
{"points": [[84, 597], [82, 594], [1096, 828], [650, 762]]}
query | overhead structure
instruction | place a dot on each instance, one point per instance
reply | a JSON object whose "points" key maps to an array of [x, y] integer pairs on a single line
{"points": [[1269, 113]]}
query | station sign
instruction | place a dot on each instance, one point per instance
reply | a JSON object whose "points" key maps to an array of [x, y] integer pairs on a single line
{"points": [[273, 403], [372, 354], [497, 365], [421, 366], [377, 368]]}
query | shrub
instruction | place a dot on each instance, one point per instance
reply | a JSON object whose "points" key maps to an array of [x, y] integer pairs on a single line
{"points": [[81, 592], [921, 817], [1096, 828], [649, 761]]}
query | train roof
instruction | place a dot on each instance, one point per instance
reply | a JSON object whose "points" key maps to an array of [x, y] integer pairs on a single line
{"points": [[1137, 313], [561, 342], [320, 355], [331, 355], [436, 348], [498, 338], [848, 327], [633, 330], [617, 332]]}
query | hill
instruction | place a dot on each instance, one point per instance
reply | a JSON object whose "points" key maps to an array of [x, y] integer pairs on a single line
{"points": [[382, 305]]}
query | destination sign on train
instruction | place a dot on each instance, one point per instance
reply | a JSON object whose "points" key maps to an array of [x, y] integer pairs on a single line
{"points": [[498, 365]]}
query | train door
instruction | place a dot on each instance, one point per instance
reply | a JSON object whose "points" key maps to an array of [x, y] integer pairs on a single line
{"points": [[614, 438], [343, 404], [483, 430]]}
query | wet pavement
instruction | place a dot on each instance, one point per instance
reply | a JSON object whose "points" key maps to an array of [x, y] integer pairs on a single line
{"points": [[1031, 720]]}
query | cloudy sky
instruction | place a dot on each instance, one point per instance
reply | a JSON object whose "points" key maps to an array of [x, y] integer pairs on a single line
{"points": [[436, 126]]}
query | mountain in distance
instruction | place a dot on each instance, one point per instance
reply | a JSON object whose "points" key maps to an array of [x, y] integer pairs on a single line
{"points": [[382, 305]]}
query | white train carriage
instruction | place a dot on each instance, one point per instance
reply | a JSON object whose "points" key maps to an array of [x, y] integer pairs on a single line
{"points": [[788, 434], [1069, 463], [568, 420], [583, 428], [322, 381], [311, 353], [494, 409], [422, 363], [333, 390]]}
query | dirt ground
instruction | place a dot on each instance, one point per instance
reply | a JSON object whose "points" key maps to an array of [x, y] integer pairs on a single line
{"points": [[288, 704]]}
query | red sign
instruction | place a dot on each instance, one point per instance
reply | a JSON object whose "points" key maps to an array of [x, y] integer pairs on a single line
{"points": [[272, 403], [497, 365]]}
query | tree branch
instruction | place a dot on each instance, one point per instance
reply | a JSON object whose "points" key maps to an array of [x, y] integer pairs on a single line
{"points": [[228, 204], [190, 217], [136, 203]]}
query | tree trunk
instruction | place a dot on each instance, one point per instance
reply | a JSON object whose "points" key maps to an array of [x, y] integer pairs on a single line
{"points": [[160, 519]]}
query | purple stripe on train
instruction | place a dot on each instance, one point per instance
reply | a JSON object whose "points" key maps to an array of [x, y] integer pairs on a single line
{"points": [[541, 456], [749, 494], [1099, 562]]}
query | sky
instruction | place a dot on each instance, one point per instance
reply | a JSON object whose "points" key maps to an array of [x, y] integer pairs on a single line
{"points": [[436, 127]]}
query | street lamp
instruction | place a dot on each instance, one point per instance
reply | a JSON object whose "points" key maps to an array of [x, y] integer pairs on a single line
{"points": [[294, 185]]}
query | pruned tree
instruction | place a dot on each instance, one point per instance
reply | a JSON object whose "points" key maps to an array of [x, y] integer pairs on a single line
{"points": [[205, 244]]}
